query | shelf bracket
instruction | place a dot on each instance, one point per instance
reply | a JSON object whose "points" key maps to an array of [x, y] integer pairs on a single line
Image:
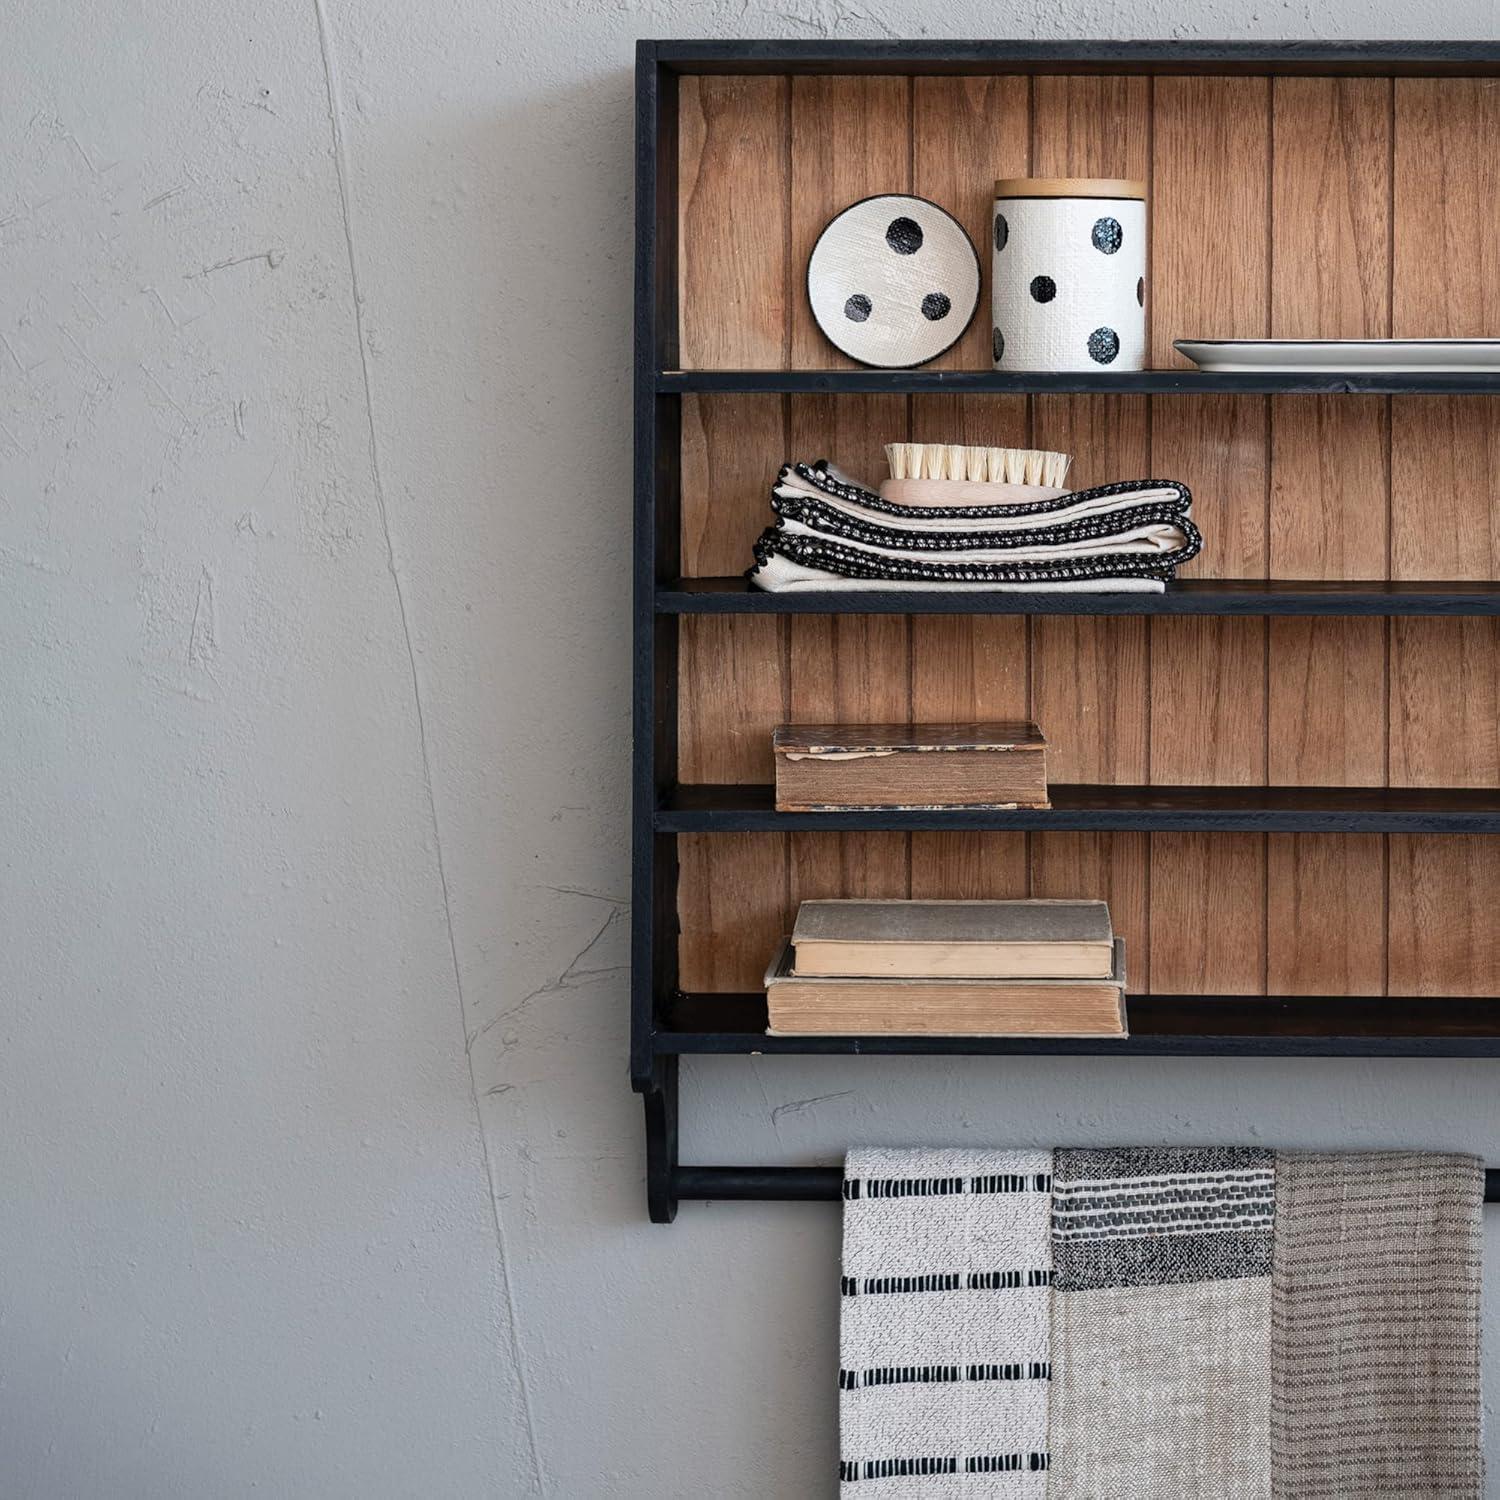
{"points": [[659, 1095]]}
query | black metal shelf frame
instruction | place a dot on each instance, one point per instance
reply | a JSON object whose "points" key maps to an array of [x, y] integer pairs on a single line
{"points": [[1191, 596], [666, 1025], [1046, 382]]}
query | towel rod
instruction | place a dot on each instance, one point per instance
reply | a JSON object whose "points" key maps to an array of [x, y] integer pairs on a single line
{"points": [[817, 1184], [668, 1180]]}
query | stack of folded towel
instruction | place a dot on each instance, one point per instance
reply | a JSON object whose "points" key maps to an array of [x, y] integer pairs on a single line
{"points": [[832, 532]]}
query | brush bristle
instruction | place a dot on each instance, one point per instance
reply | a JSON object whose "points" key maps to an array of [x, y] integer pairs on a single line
{"points": [[955, 461]]}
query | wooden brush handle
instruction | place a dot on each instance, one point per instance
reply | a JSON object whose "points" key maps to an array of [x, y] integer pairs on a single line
{"points": [[962, 492]]}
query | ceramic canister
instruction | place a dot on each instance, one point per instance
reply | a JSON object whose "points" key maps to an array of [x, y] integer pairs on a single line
{"points": [[1069, 286]]}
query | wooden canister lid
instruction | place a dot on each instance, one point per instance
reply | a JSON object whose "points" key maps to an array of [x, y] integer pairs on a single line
{"points": [[1069, 187]]}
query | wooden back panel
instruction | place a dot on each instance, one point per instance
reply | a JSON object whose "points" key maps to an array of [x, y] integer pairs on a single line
{"points": [[1284, 207]]}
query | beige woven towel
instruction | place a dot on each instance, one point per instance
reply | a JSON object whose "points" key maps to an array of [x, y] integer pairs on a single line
{"points": [[1375, 1327], [1161, 1343]]}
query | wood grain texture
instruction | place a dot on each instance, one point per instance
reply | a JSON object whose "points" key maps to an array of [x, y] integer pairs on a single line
{"points": [[1295, 487], [1325, 929], [734, 192], [1444, 937], [1210, 247], [967, 667], [734, 270], [731, 450], [1108, 867], [1329, 518], [1444, 494], [851, 138], [732, 907], [1090, 676], [1207, 929], [966, 132], [1331, 207]]}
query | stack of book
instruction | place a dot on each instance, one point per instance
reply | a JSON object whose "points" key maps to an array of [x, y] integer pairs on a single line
{"points": [[949, 968], [829, 767]]}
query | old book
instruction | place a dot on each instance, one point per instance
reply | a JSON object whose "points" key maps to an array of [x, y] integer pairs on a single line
{"points": [[822, 767], [799, 1005], [954, 939]]}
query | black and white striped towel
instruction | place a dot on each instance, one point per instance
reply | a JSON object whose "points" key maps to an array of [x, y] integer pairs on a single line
{"points": [[831, 531], [944, 1339]]}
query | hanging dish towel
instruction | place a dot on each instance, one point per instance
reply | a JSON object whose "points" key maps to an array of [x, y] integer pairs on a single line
{"points": [[943, 1357], [1146, 1323], [1375, 1327], [1161, 1323]]}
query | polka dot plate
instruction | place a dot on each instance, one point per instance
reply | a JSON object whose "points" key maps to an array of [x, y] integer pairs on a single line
{"points": [[893, 281]]}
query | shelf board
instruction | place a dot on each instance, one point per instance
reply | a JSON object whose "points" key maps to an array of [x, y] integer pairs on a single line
{"points": [[1160, 1026], [1081, 808], [1179, 382], [1193, 596]]}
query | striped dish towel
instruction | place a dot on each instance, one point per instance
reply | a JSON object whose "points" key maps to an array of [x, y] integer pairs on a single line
{"points": [[1149, 1323], [1161, 1324], [943, 1344]]}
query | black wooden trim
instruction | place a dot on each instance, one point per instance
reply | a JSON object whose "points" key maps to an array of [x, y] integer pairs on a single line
{"points": [[1193, 596], [1353, 58], [1160, 1026], [1042, 382], [822, 1184], [1078, 808]]}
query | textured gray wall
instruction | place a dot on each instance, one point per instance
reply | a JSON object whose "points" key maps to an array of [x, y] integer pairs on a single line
{"points": [[314, 440]]}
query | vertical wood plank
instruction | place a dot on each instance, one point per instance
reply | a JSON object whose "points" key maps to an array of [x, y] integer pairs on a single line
{"points": [[735, 196], [1330, 484], [1444, 937], [966, 132], [966, 667], [733, 193], [1445, 499], [851, 138], [1210, 244], [731, 902], [1090, 676], [1109, 867]]}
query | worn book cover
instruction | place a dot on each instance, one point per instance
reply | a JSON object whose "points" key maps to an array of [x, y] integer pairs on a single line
{"points": [[954, 939], [823, 767], [800, 1005]]}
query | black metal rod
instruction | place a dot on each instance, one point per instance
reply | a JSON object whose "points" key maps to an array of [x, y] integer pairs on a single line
{"points": [[824, 1184]]}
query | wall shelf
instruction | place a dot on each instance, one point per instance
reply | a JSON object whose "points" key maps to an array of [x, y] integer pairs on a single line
{"points": [[731, 379], [1190, 596], [1115, 809], [1041, 383], [1160, 1026]]}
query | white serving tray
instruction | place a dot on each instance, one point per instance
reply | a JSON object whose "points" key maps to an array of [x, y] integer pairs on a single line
{"points": [[1342, 356]]}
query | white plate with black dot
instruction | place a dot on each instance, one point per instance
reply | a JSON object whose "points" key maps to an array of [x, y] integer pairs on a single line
{"points": [[893, 281], [1342, 356]]}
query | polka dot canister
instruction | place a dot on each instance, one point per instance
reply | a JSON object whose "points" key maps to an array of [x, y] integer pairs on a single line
{"points": [[1069, 284]]}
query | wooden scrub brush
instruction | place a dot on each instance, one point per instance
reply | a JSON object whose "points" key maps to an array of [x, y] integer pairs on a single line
{"points": [[952, 474]]}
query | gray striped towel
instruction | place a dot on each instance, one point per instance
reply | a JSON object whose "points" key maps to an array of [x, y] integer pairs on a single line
{"points": [[1161, 1324], [943, 1345], [1375, 1327]]}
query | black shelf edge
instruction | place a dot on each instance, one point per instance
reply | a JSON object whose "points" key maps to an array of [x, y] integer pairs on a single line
{"points": [[1041, 382], [823, 1184], [1194, 596], [1160, 1026], [1354, 58], [1160, 809]]}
